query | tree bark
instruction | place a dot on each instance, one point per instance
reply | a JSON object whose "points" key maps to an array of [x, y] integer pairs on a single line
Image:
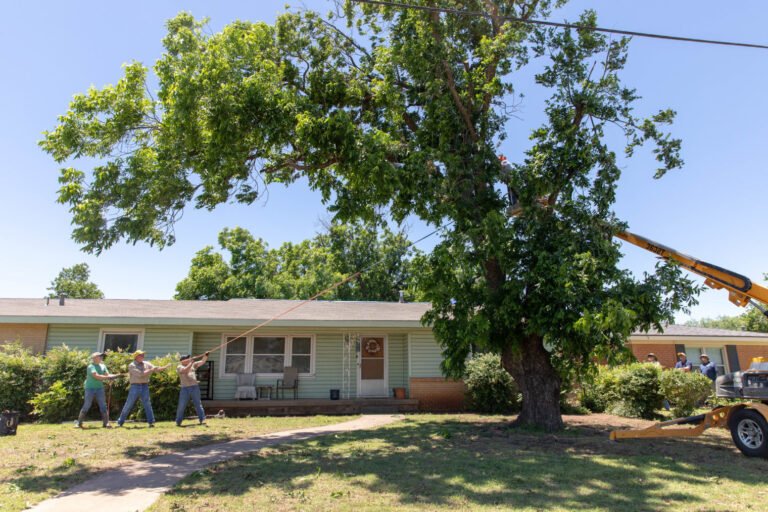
{"points": [[539, 383]]}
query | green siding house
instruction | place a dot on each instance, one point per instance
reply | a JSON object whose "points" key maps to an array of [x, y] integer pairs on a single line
{"points": [[361, 349]]}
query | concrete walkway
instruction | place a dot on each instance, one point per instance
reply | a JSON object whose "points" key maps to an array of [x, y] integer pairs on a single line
{"points": [[138, 485]]}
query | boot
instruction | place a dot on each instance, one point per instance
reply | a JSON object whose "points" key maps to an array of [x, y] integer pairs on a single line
{"points": [[80, 420], [105, 420]]}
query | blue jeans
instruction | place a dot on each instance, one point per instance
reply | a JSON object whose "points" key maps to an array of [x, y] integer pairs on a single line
{"points": [[135, 392], [101, 399], [187, 393]]}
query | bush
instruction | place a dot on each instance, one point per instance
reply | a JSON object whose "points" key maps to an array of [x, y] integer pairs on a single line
{"points": [[685, 390], [490, 388], [629, 390], [50, 406], [20, 373], [65, 367]]}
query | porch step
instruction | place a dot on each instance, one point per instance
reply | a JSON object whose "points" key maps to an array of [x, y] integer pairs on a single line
{"points": [[379, 409]]}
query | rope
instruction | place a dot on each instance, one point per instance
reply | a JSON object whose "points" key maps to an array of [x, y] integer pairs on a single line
{"points": [[315, 296]]}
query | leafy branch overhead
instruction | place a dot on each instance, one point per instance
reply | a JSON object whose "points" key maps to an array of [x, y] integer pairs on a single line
{"points": [[404, 111]]}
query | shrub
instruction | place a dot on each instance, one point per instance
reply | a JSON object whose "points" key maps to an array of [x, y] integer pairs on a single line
{"points": [[490, 388], [65, 367], [20, 373], [685, 390], [50, 405], [629, 390]]}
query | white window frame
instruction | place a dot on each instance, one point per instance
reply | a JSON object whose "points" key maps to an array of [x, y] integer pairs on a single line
{"points": [[138, 332], [287, 353]]}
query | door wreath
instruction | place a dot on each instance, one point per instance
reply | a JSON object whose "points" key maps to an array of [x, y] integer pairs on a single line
{"points": [[372, 346]]}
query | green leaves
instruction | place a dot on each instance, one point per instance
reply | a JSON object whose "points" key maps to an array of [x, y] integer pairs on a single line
{"points": [[298, 271], [73, 282]]}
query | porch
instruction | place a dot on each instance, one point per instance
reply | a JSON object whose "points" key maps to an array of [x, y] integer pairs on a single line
{"points": [[310, 406]]}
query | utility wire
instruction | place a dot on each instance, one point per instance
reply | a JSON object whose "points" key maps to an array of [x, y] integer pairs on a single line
{"points": [[461, 12]]}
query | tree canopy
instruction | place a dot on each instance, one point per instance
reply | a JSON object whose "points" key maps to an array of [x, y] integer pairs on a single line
{"points": [[385, 109], [299, 270], [74, 283]]}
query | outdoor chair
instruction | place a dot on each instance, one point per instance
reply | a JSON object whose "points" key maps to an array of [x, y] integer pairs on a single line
{"points": [[290, 380], [246, 386]]}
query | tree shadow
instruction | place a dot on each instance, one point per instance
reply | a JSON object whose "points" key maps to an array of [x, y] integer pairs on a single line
{"points": [[486, 463]]}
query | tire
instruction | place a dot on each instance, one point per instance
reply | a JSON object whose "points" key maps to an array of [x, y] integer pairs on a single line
{"points": [[749, 431]]}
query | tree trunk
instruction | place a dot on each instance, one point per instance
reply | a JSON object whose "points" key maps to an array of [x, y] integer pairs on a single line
{"points": [[538, 382]]}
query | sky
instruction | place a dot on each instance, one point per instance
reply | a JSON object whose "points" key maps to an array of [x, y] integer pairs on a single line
{"points": [[715, 208]]}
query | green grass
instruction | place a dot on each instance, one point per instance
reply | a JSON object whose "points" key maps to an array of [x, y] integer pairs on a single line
{"points": [[469, 462], [43, 460]]}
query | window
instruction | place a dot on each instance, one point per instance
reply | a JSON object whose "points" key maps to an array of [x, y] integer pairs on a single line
{"points": [[234, 360], [123, 340], [715, 355], [268, 355], [301, 354]]}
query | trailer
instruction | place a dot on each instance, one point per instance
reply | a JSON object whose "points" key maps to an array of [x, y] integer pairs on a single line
{"points": [[747, 421]]}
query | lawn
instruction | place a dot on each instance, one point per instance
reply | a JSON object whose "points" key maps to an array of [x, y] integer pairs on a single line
{"points": [[470, 462], [43, 460]]}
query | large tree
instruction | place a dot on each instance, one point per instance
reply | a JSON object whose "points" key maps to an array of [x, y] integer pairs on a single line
{"points": [[74, 282], [403, 110], [299, 270]]}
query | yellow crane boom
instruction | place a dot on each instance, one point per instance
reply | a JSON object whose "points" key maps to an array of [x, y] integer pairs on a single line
{"points": [[741, 289]]}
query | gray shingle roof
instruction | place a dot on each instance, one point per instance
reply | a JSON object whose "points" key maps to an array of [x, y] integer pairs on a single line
{"points": [[250, 310]]}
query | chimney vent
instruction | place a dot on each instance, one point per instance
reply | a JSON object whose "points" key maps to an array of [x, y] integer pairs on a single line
{"points": [[62, 298], [47, 300], [402, 297]]}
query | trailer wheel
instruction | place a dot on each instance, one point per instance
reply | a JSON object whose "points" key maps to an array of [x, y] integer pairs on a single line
{"points": [[749, 431]]}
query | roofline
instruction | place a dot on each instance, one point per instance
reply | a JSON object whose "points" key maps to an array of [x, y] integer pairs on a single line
{"points": [[217, 322], [719, 338]]}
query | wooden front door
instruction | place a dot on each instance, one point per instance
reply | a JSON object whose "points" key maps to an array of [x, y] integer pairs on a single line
{"points": [[372, 370]]}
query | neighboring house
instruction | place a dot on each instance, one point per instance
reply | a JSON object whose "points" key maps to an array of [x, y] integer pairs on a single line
{"points": [[730, 350], [389, 347]]}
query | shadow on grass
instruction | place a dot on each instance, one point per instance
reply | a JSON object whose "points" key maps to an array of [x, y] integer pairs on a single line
{"points": [[487, 463], [55, 480]]}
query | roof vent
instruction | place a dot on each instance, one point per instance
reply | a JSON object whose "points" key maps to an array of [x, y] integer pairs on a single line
{"points": [[62, 298], [47, 300], [402, 297]]}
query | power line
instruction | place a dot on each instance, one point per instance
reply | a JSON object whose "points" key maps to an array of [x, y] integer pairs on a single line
{"points": [[460, 12]]}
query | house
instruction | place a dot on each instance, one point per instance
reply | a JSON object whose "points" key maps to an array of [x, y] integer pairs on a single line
{"points": [[361, 349], [730, 350]]}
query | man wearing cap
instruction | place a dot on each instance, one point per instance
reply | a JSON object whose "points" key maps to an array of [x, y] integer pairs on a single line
{"points": [[95, 376], [190, 388], [139, 372], [683, 364], [707, 367]]}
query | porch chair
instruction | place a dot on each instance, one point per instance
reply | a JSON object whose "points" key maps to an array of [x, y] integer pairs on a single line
{"points": [[246, 385], [290, 380]]}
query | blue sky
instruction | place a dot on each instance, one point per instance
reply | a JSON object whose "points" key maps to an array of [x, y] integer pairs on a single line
{"points": [[715, 208]]}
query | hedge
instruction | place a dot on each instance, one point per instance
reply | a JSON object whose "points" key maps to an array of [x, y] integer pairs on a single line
{"points": [[490, 388]]}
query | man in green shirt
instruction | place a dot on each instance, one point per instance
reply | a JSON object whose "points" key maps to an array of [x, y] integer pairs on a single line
{"points": [[95, 376]]}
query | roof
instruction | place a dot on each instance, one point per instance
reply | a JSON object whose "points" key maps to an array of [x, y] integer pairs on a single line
{"points": [[688, 330], [203, 312]]}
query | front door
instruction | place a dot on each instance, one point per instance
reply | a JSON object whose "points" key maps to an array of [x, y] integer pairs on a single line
{"points": [[372, 370]]}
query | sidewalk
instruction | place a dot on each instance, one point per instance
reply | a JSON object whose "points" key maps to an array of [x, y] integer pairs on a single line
{"points": [[138, 485]]}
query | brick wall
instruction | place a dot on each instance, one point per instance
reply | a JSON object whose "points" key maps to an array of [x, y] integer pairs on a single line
{"points": [[747, 352], [31, 335], [438, 394], [665, 353]]}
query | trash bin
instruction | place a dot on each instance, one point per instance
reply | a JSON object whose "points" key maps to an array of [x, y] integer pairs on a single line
{"points": [[335, 393], [9, 420]]}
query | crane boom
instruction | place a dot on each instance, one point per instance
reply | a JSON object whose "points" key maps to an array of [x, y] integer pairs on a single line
{"points": [[741, 289]]}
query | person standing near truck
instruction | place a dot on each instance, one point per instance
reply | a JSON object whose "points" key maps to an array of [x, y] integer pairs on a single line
{"points": [[139, 372], [683, 364], [708, 368], [95, 376]]}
